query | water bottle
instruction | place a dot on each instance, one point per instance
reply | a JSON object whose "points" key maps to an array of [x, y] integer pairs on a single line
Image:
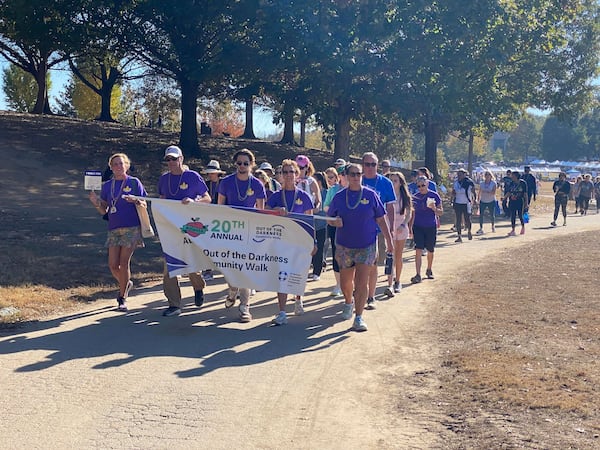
{"points": [[389, 261], [526, 217]]}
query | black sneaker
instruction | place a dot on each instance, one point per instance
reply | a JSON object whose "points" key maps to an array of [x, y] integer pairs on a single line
{"points": [[370, 303], [171, 311], [122, 306], [416, 279], [429, 274], [199, 298]]}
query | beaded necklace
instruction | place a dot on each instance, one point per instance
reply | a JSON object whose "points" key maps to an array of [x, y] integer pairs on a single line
{"points": [[283, 197], [357, 202], [113, 198], [178, 184], [246, 192]]}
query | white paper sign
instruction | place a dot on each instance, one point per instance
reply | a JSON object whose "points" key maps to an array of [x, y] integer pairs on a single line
{"points": [[92, 180]]}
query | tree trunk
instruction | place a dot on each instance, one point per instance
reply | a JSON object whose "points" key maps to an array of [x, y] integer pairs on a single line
{"points": [[431, 140], [303, 119], [470, 159], [288, 125], [41, 103], [249, 127], [106, 90], [188, 137], [342, 132]]}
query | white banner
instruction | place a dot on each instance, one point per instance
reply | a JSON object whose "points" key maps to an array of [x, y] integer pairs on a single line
{"points": [[251, 249]]}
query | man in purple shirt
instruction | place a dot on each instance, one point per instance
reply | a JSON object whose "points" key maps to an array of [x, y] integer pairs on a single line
{"points": [[242, 189], [188, 186]]}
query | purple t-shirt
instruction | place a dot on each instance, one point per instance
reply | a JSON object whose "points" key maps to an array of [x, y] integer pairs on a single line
{"points": [[124, 213], [359, 211], [296, 201], [241, 193], [424, 216], [177, 187]]}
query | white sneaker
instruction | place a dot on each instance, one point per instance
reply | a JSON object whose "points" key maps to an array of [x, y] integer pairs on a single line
{"points": [[298, 307], [280, 319], [337, 292], [479, 232], [347, 311], [245, 315], [314, 277], [359, 324]]}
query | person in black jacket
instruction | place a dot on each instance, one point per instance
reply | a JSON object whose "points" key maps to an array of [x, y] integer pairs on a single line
{"points": [[561, 189], [531, 182]]}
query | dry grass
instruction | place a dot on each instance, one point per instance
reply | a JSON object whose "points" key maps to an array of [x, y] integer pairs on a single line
{"points": [[521, 344]]}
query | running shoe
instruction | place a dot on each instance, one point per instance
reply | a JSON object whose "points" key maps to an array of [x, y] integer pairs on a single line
{"points": [[371, 303], [280, 319], [397, 287], [416, 279], [229, 302], [121, 304], [171, 311], [359, 324], [199, 298], [337, 292], [429, 274], [298, 307], [388, 292], [245, 315], [347, 311]]}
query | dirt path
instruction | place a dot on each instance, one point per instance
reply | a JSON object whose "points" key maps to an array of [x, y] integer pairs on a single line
{"points": [[100, 379]]}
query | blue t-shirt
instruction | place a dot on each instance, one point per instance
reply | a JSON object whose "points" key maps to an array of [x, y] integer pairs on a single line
{"points": [[383, 186], [359, 211]]}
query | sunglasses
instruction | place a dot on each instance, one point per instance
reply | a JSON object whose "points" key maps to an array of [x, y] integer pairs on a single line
{"points": [[370, 164], [421, 185], [286, 172], [242, 163], [171, 159], [354, 174]]}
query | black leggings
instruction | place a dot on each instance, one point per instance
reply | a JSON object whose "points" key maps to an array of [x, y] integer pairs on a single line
{"points": [[516, 209], [331, 233], [461, 210], [317, 259]]}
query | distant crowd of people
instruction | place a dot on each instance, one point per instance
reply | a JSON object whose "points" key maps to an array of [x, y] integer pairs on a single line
{"points": [[371, 212]]}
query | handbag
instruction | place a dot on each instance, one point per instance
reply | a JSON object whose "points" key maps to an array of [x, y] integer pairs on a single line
{"points": [[147, 230]]}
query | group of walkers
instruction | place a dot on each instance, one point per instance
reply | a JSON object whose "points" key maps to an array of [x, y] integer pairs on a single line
{"points": [[367, 218]]}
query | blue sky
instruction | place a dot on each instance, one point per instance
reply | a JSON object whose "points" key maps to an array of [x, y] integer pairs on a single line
{"points": [[263, 120]]}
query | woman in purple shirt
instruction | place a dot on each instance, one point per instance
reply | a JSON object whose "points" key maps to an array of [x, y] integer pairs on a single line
{"points": [[290, 199], [427, 205], [357, 210], [124, 230]]}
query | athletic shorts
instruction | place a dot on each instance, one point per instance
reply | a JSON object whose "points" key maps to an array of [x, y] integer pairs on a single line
{"points": [[349, 257], [125, 237], [425, 237]]}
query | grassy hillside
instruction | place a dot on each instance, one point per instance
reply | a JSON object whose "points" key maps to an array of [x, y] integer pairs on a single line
{"points": [[53, 246]]}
